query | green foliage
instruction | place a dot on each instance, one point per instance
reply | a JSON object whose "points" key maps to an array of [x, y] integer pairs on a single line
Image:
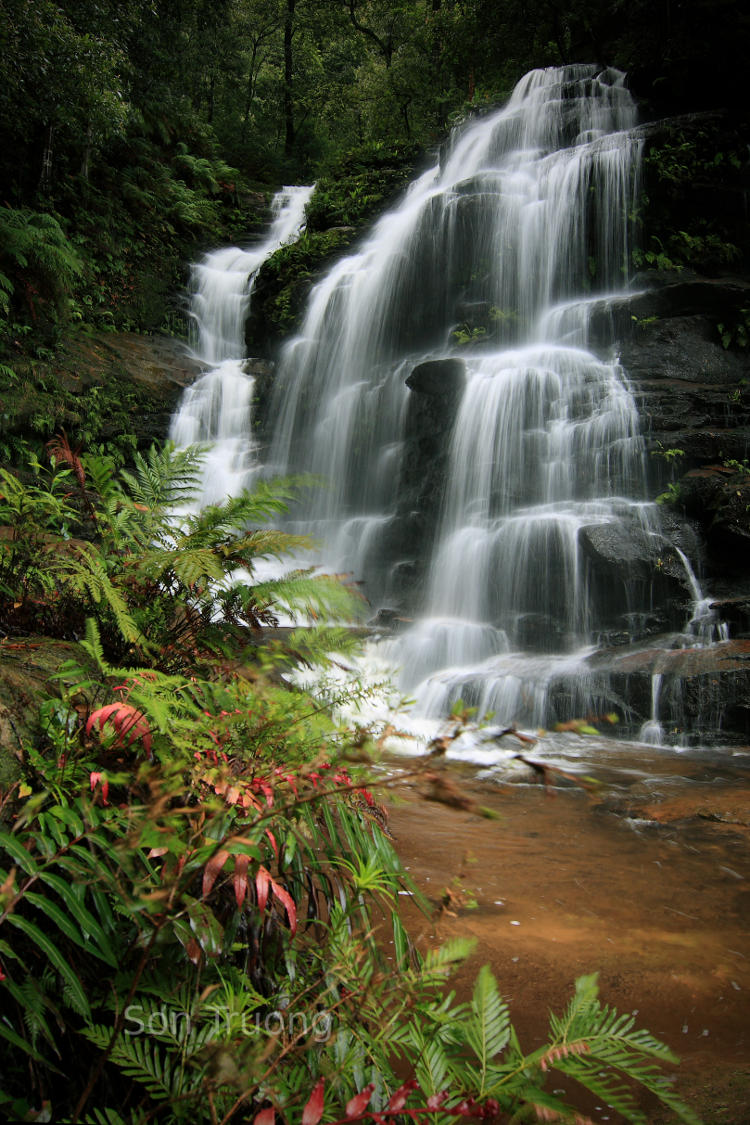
{"points": [[285, 278], [737, 333], [671, 456], [465, 335], [162, 586], [362, 184], [736, 466], [38, 266], [680, 231], [671, 495]]}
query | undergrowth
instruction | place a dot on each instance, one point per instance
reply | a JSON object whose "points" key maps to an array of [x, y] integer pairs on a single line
{"points": [[195, 884]]}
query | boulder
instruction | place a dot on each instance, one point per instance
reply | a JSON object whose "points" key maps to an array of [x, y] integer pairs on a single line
{"points": [[704, 692], [441, 378]]}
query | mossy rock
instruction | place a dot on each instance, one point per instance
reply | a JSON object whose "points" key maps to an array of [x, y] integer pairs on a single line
{"points": [[363, 185], [28, 671], [114, 390], [284, 282]]}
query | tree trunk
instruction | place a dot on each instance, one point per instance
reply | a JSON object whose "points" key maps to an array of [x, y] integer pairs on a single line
{"points": [[86, 158], [288, 78], [45, 177]]}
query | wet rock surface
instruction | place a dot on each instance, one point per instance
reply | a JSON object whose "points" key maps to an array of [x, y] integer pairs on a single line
{"points": [[441, 378], [705, 690]]}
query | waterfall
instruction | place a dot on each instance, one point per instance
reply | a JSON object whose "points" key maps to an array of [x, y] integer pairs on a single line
{"points": [[479, 442], [652, 731], [526, 215], [216, 410]]}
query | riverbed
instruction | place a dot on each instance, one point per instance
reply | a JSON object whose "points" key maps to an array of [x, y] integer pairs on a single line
{"points": [[645, 880]]}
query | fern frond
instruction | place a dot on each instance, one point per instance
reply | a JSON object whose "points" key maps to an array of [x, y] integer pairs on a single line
{"points": [[488, 1029], [85, 573], [432, 1067], [165, 478]]}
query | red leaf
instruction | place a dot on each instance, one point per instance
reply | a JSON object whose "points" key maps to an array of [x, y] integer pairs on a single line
{"points": [[99, 778], [2, 974], [272, 838], [313, 1111], [358, 1104], [397, 1100], [262, 885], [213, 867], [265, 1117], [284, 897], [240, 878], [126, 720]]}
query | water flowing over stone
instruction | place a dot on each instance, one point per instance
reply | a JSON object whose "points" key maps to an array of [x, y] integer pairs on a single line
{"points": [[480, 446], [217, 409]]}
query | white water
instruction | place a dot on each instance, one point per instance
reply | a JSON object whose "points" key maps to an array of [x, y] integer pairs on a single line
{"points": [[216, 411], [527, 212]]}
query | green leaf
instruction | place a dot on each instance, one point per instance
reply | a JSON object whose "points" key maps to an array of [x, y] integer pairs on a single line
{"points": [[18, 852], [488, 1030], [90, 928], [16, 1040], [53, 953]]}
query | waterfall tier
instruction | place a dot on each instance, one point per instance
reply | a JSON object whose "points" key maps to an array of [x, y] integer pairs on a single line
{"points": [[216, 411]]}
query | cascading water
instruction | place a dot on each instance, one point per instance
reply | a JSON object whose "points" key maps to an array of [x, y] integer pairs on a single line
{"points": [[216, 410], [525, 216], [477, 295]]}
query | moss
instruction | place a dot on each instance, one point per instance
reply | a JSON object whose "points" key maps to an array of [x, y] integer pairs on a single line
{"points": [[113, 389], [343, 204], [28, 670]]}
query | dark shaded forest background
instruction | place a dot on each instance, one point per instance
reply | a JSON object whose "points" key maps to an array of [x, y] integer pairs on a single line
{"points": [[135, 132]]}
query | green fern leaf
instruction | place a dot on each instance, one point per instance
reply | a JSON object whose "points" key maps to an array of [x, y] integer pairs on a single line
{"points": [[32, 931], [91, 936], [488, 1029]]}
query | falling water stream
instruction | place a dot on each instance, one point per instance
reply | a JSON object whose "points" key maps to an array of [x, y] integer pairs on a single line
{"points": [[216, 411], [524, 223]]}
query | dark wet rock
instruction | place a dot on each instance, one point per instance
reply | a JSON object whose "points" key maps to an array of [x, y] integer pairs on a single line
{"points": [[704, 692], [628, 567], [735, 611], [538, 632], [474, 314], [719, 497], [261, 370], [680, 347], [389, 619], [442, 378]]}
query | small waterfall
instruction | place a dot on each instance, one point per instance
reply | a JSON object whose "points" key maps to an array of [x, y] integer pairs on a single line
{"points": [[652, 731], [704, 624], [217, 409]]}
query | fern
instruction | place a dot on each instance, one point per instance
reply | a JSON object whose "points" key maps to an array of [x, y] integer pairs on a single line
{"points": [[146, 1060], [164, 479], [85, 573], [488, 1028]]}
